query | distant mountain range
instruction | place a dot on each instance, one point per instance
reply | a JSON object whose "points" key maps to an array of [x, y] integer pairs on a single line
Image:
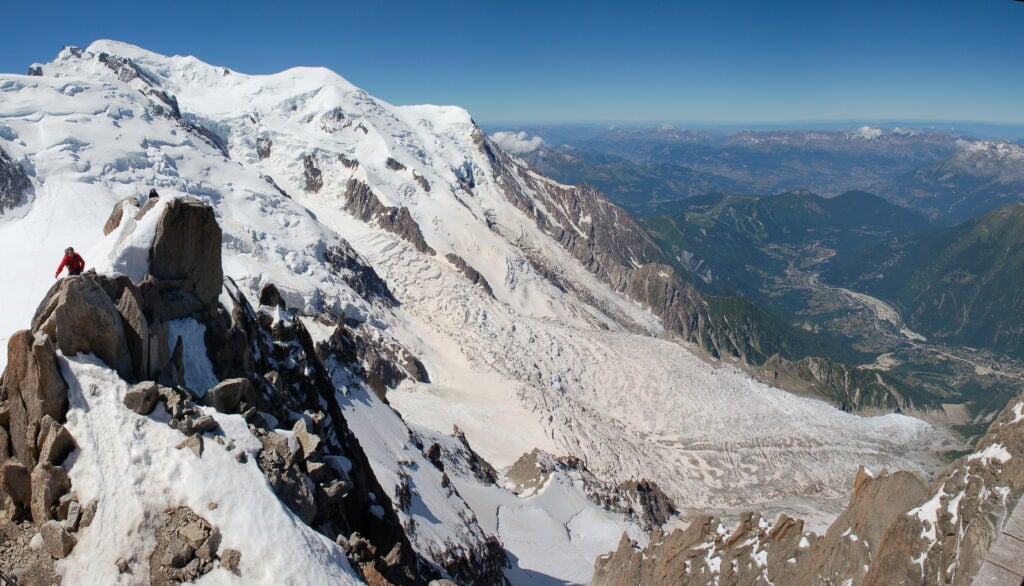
{"points": [[975, 180], [642, 188], [641, 168]]}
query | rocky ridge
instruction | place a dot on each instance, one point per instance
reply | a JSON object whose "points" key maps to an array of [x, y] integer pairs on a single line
{"points": [[896, 529]]}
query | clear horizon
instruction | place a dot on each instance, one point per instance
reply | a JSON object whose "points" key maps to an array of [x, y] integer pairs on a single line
{"points": [[744, 63]]}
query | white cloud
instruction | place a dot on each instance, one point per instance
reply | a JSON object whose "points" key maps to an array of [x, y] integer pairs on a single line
{"points": [[517, 142], [868, 133]]}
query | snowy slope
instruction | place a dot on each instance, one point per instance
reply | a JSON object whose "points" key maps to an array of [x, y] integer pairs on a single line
{"points": [[538, 364], [129, 465]]}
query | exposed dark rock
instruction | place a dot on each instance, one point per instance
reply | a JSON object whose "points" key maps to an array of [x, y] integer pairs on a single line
{"points": [[136, 331], [314, 179], [194, 443], [291, 485], [149, 204], [349, 163], [422, 181], [230, 560], [847, 387], [14, 183], [161, 102], [35, 71], [270, 181], [16, 481], [271, 297], [362, 203], [126, 69], [358, 274], [187, 248], [474, 277], [336, 501], [333, 120], [263, 146], [642, 501], [394, 165], [383, 362], [647, 502]]}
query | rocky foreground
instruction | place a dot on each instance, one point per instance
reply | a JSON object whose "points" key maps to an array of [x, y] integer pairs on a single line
{"points": [[271, 374]]}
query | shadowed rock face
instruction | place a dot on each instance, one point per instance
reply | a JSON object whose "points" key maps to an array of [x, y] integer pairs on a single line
{"points": [[895, 530], [14, 183], [472, 274], [187, 249], [362, 203]]}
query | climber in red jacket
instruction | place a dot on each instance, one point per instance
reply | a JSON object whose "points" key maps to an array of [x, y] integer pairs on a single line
{"points": [[72, 260]]}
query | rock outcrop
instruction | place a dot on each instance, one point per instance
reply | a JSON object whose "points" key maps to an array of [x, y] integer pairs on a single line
{"points": [[895, 530], [14, 183], [186, 548], [640, 501], [362, 203], [187, 249], [472, 274]]}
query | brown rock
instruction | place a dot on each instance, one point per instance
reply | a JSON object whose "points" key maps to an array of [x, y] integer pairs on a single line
{"points": [[308, 441], [207, 551], [230, 560], [150, 204], [5, 445], [88, 514], [73, 516], [194, 534], [32, 379], [187, 247], [80, 317], [204, 424], [225, 396], [56, 539], [49, 483], [55, 441], [117, 214], [180, 542], [16, 481], [136, 331], [143, 397], [194, 443]]}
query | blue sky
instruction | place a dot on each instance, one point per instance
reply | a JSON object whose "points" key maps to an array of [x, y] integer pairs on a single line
{"points": [[570, 61]]}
